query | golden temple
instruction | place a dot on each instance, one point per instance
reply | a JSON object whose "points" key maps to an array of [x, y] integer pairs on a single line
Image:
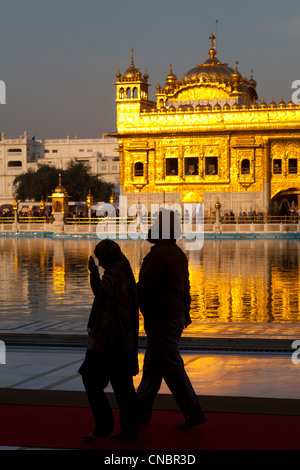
{"points": [[207, 137]]}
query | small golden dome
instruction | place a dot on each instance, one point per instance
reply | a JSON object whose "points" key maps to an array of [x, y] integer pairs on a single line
{"points": [[146, 76], [252, 82], [131, 72], [60, 188], [236, 75], [118, 75], [291, 104], [282, 104], [171, 77], [171, 81], [272, 105], [263, 104]]}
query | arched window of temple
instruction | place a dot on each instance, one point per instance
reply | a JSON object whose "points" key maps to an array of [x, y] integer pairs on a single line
{"points": [[293, 168], [277, 166], [171, 166], [245, 167], [135, 93], [138, 169], [121, 93], [211, 165], [191, 166], [128, 93]]}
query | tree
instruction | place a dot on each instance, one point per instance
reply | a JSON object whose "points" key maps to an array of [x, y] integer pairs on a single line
{"points": [[77, 180], [34, 185]]}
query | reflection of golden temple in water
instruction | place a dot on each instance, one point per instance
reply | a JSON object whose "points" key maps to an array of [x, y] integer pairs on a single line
{"points": [[59, 278], [231, 280], [246, 281], [207, 138], [226, 291], [59, 269]]}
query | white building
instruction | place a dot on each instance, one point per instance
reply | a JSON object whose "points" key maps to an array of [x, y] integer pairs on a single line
{"points": [[17, 156]]}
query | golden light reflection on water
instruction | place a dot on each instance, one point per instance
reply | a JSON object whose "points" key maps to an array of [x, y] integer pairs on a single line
{"points": [[231, 280], [59, 279]]}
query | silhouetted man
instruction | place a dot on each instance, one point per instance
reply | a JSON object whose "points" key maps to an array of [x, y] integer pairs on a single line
{"points": [[164, 299]]}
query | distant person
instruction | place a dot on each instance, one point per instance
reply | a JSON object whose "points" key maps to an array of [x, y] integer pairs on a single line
{"points": [[112, 349], [164, 299]]}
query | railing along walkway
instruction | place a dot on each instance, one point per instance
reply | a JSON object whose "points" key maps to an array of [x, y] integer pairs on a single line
{"points": [[294, 219]]}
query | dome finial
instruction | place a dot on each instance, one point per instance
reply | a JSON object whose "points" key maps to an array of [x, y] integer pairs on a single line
{"points": [[212, 51], [131, 60], [212, 37]]}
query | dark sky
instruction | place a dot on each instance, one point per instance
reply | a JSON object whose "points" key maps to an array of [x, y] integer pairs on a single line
{"points": [[59, 58]]}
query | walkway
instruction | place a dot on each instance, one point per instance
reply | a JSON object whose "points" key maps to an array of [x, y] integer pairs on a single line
{"points": [[223, 360], [233, 367]]}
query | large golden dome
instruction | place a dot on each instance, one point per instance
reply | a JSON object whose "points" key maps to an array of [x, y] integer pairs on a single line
{"points": [[211, 81], [212, 69], [209, 70]]}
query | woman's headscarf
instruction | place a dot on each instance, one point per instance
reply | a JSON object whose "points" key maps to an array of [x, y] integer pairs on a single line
{"points": [[108, 252]]}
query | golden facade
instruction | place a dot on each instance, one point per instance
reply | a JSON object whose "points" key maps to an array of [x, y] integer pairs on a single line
{"points": [[207, 138]]}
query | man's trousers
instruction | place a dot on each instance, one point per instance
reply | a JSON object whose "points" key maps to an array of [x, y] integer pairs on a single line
{"points": [[163, 361]]}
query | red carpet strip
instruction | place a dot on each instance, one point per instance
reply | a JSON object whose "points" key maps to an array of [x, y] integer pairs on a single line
{"points": [[63, 427]]}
